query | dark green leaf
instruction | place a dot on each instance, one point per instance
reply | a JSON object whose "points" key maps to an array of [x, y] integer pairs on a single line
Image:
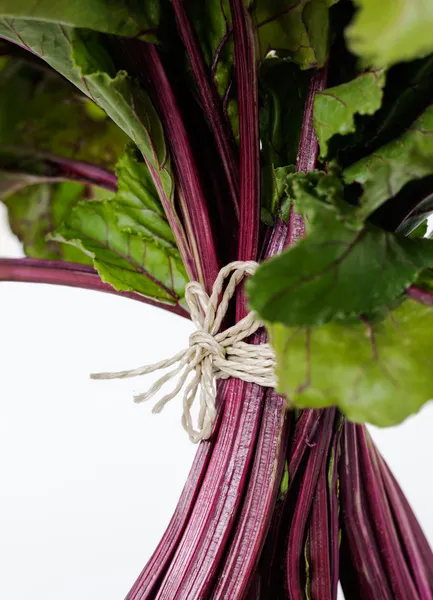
{"points": [[378, 372], [384, 173], [386, 32], [281, 110], [297, 29], [341, 269], [274, 196], [121, 17], [40, 113], [80, 55], [407, 95], [335, 108]]}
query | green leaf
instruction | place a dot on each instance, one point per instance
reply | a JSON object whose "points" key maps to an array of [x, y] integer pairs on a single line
{"points": [[386, 32], [127, 261], [212, 24], [274, 196], [384, 173], [80, 56], [128, 236], [378, 372], [281, 110], [407, 95], [121, 17], [341, 269], [138, 208], [297, 29], [42, 113], [36, 211], [335, 108]]}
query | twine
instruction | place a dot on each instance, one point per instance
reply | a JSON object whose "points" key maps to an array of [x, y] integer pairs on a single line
{"points": [[212, 354]]}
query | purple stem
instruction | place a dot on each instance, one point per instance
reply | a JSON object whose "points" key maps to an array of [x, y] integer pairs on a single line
{"points": [[304, 499], [418, 552], [86, 172], [145, 587], [334, 509], [192, 196], [308, 149], [420, 295], [68, 169], [255, 517], [72, 275], [249, 134], [381, 519], [357, 528], [210, 101], [319, 535]]}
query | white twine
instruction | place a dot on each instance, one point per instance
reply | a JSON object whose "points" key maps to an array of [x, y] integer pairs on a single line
{"points": [[211, 354]]}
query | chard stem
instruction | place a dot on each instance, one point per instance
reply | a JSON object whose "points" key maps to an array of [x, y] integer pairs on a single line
{"points": [[210, 101], [29, 270]]}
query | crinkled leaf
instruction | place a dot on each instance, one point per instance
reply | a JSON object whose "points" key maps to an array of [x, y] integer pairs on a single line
{"points": [[121, 17], [138, 207], [384, 173], [335, 108], [383, 372], [298, 29], [274, 197], [386, 32], [36, 211], [127, 261], [342, 268]]}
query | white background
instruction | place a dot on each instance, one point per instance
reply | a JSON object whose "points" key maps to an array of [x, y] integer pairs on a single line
{"points": [[88, 479]]}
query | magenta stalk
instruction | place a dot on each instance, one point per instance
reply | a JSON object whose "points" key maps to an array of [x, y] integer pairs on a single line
{"points": [[28, 270]]}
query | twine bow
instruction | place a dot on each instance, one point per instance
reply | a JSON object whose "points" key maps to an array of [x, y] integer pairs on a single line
{"points": [[212, 354]]}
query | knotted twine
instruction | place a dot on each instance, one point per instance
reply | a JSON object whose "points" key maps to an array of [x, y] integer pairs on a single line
{"points": [[212, 354]]}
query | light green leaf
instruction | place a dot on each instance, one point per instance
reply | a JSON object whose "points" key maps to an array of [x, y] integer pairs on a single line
{"points": [[341, 269], [127, 261], [138, 207], [274, 197], [335, 108], [121, 17], [378, 372], [384, 173], [386, 32]]}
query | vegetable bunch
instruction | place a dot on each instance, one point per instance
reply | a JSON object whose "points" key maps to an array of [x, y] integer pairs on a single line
{"points": [[146, 144]]}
